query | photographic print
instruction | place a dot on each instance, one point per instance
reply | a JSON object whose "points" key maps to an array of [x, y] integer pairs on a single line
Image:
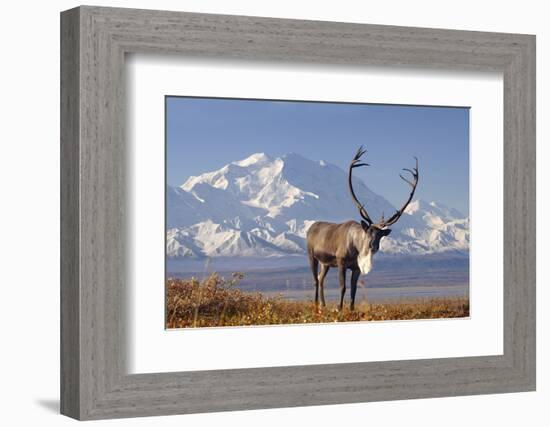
{"points": [[297, 212]]}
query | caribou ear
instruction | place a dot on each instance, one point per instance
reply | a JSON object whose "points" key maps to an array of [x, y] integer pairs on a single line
{"points": [[386, 232], [364, 225]]}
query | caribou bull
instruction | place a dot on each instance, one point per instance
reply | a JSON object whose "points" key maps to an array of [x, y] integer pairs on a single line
{"points": [[350, 245]]}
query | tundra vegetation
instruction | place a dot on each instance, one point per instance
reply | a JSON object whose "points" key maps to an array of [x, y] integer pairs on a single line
{"points": [[217, 301]]}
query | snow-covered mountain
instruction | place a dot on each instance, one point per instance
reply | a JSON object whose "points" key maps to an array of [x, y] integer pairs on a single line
{"points": [[263, 206]]}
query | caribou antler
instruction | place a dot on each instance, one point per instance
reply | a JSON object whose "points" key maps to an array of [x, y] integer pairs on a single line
{"points": [[355, 163], [393, 219]]}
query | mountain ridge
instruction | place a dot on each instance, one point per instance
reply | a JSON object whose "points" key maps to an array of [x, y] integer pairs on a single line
{"points": [[263, 205]]}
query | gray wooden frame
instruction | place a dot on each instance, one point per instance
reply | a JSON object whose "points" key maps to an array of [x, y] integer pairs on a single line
{"points": [[94, 41]]}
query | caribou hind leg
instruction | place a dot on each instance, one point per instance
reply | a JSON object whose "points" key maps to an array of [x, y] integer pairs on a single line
{"points": [[322, 275], [314, 263]]}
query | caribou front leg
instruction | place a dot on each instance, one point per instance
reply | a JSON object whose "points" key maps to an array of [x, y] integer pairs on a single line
{"points": [[342, 277], [354, 277]]}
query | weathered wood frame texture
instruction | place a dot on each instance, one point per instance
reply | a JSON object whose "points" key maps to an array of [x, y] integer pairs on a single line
{"points": [[94, 41]]}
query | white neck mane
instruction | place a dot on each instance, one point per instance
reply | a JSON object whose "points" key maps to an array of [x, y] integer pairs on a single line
{"points": [[361, 242]]}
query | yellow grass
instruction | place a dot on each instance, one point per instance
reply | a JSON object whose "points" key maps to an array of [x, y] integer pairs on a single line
{"points": [[217, 302]]}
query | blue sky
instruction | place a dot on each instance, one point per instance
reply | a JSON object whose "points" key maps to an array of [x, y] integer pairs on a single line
{"points": [[204, 134]]}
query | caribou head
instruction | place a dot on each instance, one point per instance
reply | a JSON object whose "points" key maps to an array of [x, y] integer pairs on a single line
{"points": [[351, 245]]}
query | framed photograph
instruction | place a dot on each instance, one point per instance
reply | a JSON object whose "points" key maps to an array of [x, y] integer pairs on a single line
{"points": [[245, 242], [262, 213]]}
